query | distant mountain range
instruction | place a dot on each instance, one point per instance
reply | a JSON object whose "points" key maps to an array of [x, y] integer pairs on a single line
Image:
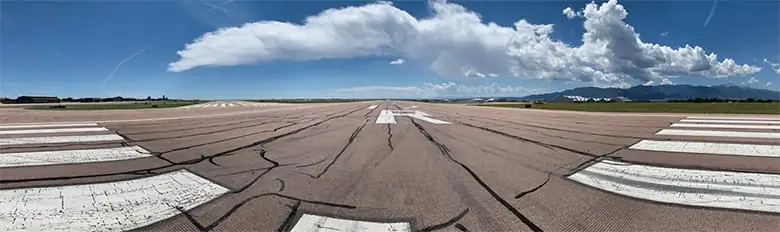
{"points": [[665, 92]]}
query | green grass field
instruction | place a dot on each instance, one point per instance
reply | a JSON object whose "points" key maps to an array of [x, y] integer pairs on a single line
{"points": [[730, 108], [113, 106], [309, 101]]}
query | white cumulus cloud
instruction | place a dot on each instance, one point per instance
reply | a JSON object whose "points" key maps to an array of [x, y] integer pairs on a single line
{"points": [[455, 42], [752, 80], [445, 89], [768, 83], [398, 61], [775, 66]]}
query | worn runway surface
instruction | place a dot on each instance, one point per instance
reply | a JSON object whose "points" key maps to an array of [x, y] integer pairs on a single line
{"points": [[390, 165]]}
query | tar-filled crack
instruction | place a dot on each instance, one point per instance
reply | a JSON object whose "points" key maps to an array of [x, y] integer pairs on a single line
{"points": [[341, 152], [281, 185], [149, 171], [447, 223], [461, 227], [389, 137], [522, 194], [204, 133], [227, 139], [446, 152], [287, 223], [563, 130], [249, 199], [547, 145], [199, 127], [190, 218]]}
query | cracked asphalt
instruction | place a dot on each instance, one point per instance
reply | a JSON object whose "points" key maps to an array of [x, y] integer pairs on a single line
{"points": [[492, 169]]}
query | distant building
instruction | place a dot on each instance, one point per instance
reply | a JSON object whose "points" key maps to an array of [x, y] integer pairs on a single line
{"points": [[37, 99], [571, 99], [621, 99]]}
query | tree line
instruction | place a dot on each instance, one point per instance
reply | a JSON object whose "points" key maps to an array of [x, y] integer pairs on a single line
{"points": [[702, 100]]}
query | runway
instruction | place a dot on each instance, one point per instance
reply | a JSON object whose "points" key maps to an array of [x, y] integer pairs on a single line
{"points": [[386, 166]]}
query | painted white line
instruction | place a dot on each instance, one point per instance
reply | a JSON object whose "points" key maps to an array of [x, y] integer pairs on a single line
{"points": [[385, 117], [733, 118], [44, 125], [736, 134], [58, 130], [427, 119], [231, 105], [727, 126], [71, 156], [223, 105], [60, 139], [311, 223], [371, 107], [709, 148], [730, 121], [113, 206], [733, 190]]}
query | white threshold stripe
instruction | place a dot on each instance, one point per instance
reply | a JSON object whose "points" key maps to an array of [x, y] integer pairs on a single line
{"points": [[709, 148], [44, 125], [113, 206], [733, 118], [385, 117], [736, 134], [59, 130], [727, 126], [71, 156], [311, 223], [60, 139], [719, 189], [730, 121], [371, 107], [427, 119]]}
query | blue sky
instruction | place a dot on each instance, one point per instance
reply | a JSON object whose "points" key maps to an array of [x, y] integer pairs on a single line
{"points": [[265, 49]]}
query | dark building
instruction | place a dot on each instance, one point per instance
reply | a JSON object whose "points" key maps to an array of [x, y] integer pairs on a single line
{"points": [[37, 99]]}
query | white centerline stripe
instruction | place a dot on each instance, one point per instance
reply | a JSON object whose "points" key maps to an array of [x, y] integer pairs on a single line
{"points": [[60, 139], [44, 125], [371, 107], [385, 117], [309, 223], [733, 190], [737, 134], [727, 126], [731, 121], [709, 148], [733, 118], [113, 206], [71, 156], [59, 130]]}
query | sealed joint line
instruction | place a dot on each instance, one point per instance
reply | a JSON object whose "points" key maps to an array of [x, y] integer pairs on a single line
{"points": [[308, 223], [767, 122], [71, 156], [726, 126], [60, 139], [49, 131], [112, 206], [709, 133], [45, 125], [709, 148], [715, 189]]}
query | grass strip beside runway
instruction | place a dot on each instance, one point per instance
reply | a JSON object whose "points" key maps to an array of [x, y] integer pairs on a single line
{"points": [[114, 106], [731, 108]]}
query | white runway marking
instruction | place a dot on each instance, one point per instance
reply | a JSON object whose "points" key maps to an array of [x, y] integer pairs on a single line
{"points": [[223, 105], [427, 119], [727, 126], [71, 156], [737, 134], [312, 223], [59, 130], [733, 190], [734, 118], [113, 206], [60, 139], [44, 125], [709, 148], [731, 121], [371, 107], [385, 117]]}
